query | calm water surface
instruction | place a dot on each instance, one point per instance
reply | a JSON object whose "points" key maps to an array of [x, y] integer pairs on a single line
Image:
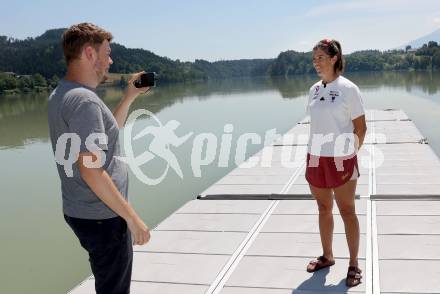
{"points": [[39, 253]]}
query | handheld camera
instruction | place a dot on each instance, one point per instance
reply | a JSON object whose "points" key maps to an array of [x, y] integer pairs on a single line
{"points": [[147, 79]]}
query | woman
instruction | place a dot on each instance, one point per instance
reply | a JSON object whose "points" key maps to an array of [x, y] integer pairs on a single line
{"points": [[337, 116]]}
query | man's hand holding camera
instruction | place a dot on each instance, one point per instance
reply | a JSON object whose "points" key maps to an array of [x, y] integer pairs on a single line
{"points": [[139, 83], [132, 91]]}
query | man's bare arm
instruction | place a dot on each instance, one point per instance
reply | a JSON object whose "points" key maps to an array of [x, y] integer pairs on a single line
{"points": [[121, 111], [103, 186]]}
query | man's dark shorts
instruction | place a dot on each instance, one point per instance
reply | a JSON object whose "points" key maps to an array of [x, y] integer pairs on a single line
{"points": [[110, 249]]}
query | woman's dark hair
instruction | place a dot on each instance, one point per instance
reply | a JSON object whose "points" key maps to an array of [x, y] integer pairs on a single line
{"points": [[332, 48]]}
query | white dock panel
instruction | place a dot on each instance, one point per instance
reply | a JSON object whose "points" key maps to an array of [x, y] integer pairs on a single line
{"points": [[409, 245], [263, 246]]}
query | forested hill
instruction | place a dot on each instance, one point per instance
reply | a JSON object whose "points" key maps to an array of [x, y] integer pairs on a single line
{"points": [[425, 58], [43, 55]]}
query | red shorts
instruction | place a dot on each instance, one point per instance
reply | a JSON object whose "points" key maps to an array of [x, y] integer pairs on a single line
{"points": [[330, 172]]}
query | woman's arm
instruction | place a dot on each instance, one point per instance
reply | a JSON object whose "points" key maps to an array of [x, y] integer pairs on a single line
{"points": [[360, 129]]}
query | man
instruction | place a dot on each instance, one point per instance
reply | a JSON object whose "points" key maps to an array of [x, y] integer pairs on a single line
{"points": [[94, 193]]}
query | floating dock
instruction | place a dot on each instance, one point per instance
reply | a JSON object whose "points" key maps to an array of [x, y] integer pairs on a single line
{"points": [[255, 230]]}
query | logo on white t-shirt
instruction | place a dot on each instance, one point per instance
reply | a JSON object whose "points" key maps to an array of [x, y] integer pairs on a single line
{"points": [[333, 94], [316, 93]]}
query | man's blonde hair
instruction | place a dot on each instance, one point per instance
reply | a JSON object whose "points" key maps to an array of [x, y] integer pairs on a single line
{"points": [[77, 36]]}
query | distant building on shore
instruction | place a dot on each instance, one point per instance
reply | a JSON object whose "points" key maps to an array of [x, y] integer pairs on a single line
{"points": [[15, 75], [10, 73]]}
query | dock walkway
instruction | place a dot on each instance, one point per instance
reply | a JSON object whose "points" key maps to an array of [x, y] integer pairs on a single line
{"points": [[255, 230]]}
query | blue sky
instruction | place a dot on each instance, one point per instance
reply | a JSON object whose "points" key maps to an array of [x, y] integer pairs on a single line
{"points": [[218, 30]]}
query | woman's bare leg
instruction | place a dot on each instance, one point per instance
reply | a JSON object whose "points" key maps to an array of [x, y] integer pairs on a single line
{"points": [[345, 197], [324, 198]]}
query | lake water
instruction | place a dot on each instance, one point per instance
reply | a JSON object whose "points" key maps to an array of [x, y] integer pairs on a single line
{"points": [[39, 253]]}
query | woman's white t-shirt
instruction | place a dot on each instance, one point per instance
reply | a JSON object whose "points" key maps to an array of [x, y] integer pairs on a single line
{"points": [[332, 107]]}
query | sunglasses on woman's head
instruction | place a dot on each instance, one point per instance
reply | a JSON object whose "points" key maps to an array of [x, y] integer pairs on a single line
{"points": [[325, 42]]}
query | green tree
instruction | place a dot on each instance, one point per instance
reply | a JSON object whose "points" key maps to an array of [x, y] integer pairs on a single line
{"points": [[39, 81], [25, 83], [7, 82], [53, 81], [436, 60], [123, 82], [432, 44]]}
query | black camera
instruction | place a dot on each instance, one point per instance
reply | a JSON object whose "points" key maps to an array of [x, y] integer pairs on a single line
{"points": [[147, 79]]}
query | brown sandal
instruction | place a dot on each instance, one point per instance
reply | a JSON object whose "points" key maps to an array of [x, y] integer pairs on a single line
{"points": [[353, 276], [319, 263]]}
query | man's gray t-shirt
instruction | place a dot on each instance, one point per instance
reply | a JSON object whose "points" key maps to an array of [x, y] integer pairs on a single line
{"points": [[75, 108]]}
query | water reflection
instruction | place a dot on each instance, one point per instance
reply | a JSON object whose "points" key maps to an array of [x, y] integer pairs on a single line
{"points": [[427, 82], [30, 185], [23, 118]]}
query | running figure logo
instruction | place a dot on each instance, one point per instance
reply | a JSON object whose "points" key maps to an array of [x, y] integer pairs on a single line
{"points": [[163, 137]]}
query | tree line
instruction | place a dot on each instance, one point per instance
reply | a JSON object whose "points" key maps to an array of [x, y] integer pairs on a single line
{"points": [[425, 58], [37, 63]]}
